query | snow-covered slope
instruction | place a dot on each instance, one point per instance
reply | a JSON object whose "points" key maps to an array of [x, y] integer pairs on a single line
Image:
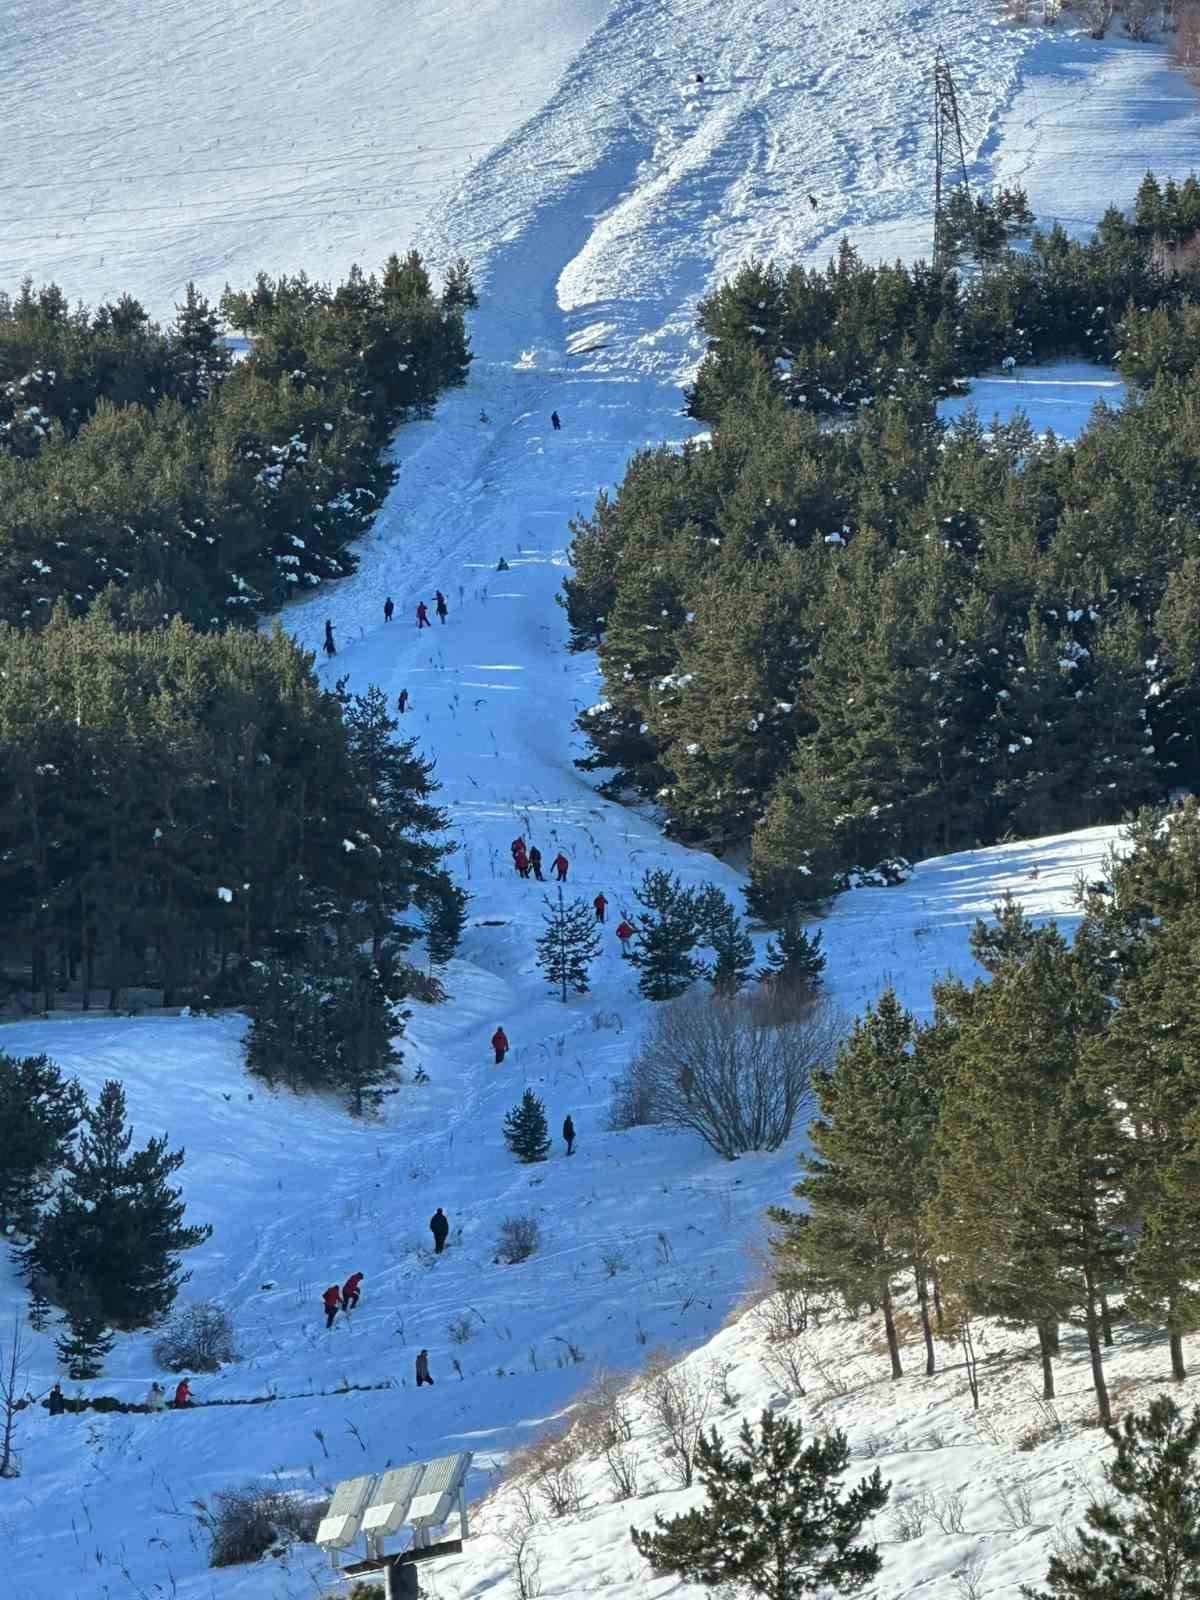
{"points": [[599, 191]]}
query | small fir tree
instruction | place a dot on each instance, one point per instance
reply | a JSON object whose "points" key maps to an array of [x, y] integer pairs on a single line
{"points": [[40, 1112], [85, 1341], [569, 945], [776, 1521], [727, 939], [793, 957], [668, 933], [1145, 1545], [525, 1130]]}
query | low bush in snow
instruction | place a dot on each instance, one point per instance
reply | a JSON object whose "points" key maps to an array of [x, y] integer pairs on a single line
{"points": [[243, 1524], [198, 1338], [517, 1238]]}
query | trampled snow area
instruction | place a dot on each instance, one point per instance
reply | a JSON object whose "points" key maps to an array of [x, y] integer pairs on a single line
{"points": [[599, 192]]}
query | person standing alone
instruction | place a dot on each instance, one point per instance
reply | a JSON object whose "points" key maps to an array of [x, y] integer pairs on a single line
{"points": [[500, 1045], [423, 1369], [388, 608], [439, 1227], [569, 1134]]}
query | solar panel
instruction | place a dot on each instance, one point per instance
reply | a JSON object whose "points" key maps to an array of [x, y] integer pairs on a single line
{"points": [[437, 1496], [388, 1509], [340, 1524]]}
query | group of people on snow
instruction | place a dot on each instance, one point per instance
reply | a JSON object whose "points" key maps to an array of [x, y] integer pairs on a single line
{"points": [[528, 859]]}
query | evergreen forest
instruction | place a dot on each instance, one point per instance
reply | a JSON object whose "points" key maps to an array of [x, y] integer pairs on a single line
{"points": [[839, 635]]}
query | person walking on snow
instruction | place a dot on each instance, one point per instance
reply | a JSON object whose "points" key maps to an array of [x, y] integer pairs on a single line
{"points": [[329, 647], [331, 1300], [569, 1135], [500, 1045], [402, 701], [56, 1401], [156, 1400], [423, 616], [601, 905], [439, 605], [624, 933], [423, 1368], [535, 863], [559, 866], [388, 608], [555, 421], [183, 1395], [439, 1227], [350, 1291], [522, 864]]}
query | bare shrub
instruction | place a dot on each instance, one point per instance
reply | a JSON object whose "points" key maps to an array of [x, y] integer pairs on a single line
{"points": [[1096, 16], [783, 1315], [947, 1511], [1014, 10], [517, 1238], [1185, 46], [243, 1524], [549, 1465], [613, 1261], [198, 1338], [911, 1515], [678, 1405], [624, 1471], [1138, 17], [785, 1363], [1017, 1502], [526, 1563], [968, 1580], [461, 1329], [735, 1071], [602, 1417]]}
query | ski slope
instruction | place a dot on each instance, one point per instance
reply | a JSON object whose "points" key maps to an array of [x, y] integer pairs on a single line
{"points": [[598, 192]]}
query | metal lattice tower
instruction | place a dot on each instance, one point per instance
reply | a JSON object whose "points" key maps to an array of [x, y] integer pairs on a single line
{"points": [[947, 138]]}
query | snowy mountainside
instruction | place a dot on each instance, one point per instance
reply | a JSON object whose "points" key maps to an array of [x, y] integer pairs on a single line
{"points": [[601, 193]]}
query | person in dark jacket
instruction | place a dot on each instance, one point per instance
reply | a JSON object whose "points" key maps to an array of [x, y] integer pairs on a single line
{"points": [[569, 1135], [331, 1300], [56, 1402], [500, 1045], [423, 616], [555, 421], [535, 863], [350, 1291], [402, 701], [439, 1227], [388, 608], [439, 605], [601, 906], [329, 646], [423, 1368], [559, 867]]}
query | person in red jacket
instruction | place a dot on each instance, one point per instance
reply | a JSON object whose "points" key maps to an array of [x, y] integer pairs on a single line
{"points": [[601, 905], [423, 616], [521, 862], [183, 1395], [500, 1045], [624, 933], [350, 1291], [331, 1300], [560, 865]]}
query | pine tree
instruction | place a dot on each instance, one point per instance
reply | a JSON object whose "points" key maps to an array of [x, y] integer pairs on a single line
{"points": [[40, 1112], [871, 1174], [458, 288], [1145, 1545], [201, 357], [525, 1131], [116, 1226], [569, 945], [776, 1521], [444, 908], [725, 936], [668, 932], [359, 1024], [86, 1340], [793, 957]]}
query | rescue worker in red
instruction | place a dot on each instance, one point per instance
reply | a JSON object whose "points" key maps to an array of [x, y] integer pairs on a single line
{"points": [[624, 933], [500, 1045], [601, 905], [183, 1395], [350, 1291], [331, 1300], [423, 616], [559, 866], [521, 862]]}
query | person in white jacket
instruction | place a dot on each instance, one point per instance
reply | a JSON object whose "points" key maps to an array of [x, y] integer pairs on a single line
{"points": [[156, 1400]]}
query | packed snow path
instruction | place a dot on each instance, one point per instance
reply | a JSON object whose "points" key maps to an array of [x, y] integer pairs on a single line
{"points": [[616, 192]]}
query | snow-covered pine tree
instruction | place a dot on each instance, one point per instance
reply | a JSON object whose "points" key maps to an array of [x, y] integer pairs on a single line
{"points": [[1146, 1542], [777, 1521], [525, 1130], [668, 932], [569, 945], [85, 1340]]}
